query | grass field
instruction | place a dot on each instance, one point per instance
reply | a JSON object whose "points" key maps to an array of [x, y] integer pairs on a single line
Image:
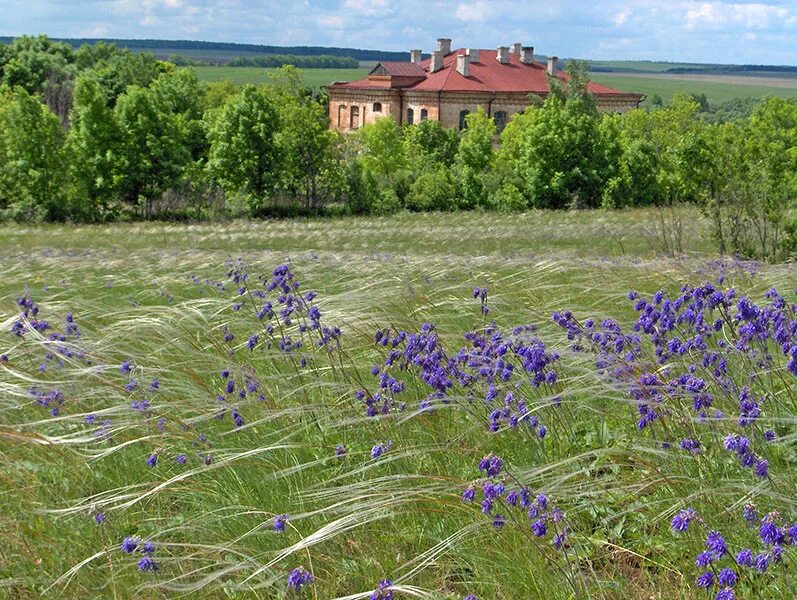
{"points": [[95, 453], [315, 78], [718, 89]]}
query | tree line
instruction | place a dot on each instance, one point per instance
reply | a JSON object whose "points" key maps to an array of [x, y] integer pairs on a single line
{"points": [[271, 61], [142, 139]]}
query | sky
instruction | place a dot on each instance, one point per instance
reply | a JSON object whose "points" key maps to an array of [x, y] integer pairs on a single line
{"points": [[672, 30]]}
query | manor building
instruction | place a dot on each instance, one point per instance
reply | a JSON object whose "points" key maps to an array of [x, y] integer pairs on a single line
{"points": [[449, 85]]}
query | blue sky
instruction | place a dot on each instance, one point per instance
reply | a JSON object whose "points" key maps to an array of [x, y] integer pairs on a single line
{"points": [[675, 30]]}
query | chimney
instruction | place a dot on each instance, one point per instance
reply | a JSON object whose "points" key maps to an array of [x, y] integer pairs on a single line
{"points": [[502, 54], [527, 55], [463, 65], [437, 61], [444, 45], [415, 56], [516, 48], [552, 60], [473, 54]]}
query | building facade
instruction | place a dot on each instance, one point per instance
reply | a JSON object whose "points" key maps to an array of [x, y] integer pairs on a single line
{"points": [[449, 85]]}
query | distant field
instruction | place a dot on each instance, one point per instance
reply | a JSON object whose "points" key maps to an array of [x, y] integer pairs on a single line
{"points": [[315, 78], [717, 88], [640, 66]]}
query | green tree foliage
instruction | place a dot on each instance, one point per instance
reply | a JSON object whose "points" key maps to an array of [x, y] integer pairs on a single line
{"points": [[304, 144], [93, 143], [32, 167], [474, 158], [383, 148], [29, 62], [244, 157], [560, 154], [152, 154], [752, 182], [429, 145], [434, 190], [123, 69]]}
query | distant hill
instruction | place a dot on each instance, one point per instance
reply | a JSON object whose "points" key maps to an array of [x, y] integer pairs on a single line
{"points": [[226, 51]]}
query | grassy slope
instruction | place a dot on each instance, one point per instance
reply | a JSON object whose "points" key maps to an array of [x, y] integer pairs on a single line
{"points": [[715, 91], [369, 272], [315, 78]]}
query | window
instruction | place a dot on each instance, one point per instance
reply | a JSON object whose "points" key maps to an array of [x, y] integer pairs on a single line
{"points": [[424, 114], [463, 123], [341, 117], [500, 119], [377, 107], [410, 116], [354, 121]]}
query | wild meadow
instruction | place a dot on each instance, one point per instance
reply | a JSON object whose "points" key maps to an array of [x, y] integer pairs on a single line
{"points": [[470, 405]]}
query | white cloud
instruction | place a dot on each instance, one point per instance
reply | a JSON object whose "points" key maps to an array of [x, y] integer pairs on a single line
{"points": [[472, 11], [620, 18], [366, 8], [719, 15], [331, 21]]}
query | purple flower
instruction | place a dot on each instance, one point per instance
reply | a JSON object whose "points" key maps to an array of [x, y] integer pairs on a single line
{"points": [[727, 578], [704, 559], [538, 528], [680, 522], [152, 460], [298, 578], [706, 580], [560, 538], [716, 543], [491, 465], [761, 562], [147, 563], [469, 494], [181, 459], [744, 557], [499, 521], [125, 367], [129, 544], [340, 450], [148, 548], [279, 523], [770, 533], [383, 591], [725, 594]]}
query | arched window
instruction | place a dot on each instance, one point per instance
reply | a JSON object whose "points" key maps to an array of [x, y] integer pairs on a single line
{"points": [[354, 120], [377, 107], [410, 116], [424, 114], [341, 117], [500, 120], [463, 124]]}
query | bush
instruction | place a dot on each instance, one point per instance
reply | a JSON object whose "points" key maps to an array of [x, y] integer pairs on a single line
{"points": [[435, 190]]}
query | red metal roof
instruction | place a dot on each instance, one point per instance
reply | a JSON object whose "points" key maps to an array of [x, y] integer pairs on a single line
{"points": [[488, 75], [402, 69]]}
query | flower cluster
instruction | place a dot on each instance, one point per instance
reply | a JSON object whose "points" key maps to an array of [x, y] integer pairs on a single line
{"points": [[541, 515], [147, 549]]}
